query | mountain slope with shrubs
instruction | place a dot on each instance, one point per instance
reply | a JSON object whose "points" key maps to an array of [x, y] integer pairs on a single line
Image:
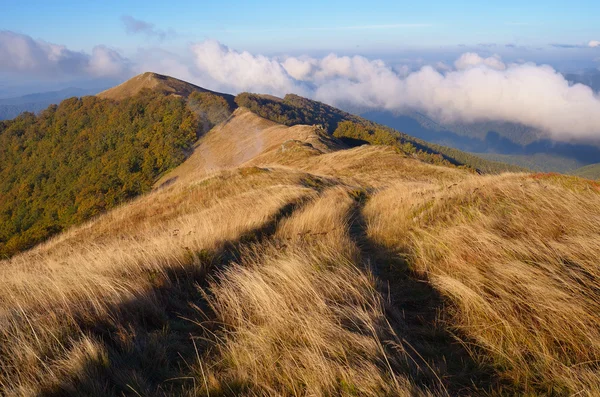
{"points": [[355, 130], [78, 159]]}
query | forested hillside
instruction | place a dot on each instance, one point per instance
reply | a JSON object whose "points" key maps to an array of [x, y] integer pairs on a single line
{"points": [[87, 155], [293, 110], [510, 143]]}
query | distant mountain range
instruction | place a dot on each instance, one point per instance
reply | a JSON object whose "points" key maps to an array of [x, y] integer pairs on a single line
{"points": [[507, 142], [12, 107], [495, 141], [591, 171]]}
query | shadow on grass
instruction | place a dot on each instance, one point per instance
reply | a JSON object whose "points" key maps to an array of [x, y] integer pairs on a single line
{"points": [[415, 310], [152, 343]]}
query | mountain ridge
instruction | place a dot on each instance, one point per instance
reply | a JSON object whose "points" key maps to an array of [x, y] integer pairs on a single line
{"points": [[294, 110], [510, 143], [329, 115], [154, 81], [591, 171], [283, 260]]}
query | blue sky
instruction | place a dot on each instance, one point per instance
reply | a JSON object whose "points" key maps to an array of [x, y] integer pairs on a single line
{"points": [[276, 26]]}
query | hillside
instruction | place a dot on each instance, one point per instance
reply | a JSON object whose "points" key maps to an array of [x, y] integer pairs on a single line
{"points": [[509, 143], [87, 155], [277, 260], [243, 138], [355, 130], [158, 83], [591, 171], [78, 159]]}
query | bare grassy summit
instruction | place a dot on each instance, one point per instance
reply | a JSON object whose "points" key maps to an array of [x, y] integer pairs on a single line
{"points": [[277, 261], [155, 82]]}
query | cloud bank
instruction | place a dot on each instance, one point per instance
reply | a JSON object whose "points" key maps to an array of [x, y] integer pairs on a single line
{"points": [[241, 71], [471, 59], [22, 54], [473, 89], [594, 43], [476, 89]]}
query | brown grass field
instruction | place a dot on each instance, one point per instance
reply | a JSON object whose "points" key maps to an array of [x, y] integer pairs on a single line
{"points": [[275, 262]]}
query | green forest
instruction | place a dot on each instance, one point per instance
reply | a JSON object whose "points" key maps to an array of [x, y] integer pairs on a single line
{"points": [[87, 155]]}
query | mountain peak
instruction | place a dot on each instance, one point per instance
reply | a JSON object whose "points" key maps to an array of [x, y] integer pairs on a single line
{"points": [[153, 81]]}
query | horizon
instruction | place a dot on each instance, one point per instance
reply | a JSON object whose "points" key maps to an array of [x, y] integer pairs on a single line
{"points": [[135, 33], [454, 63]]}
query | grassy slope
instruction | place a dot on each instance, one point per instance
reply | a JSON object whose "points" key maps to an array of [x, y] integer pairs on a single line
{"points": [[293, 109], [155, 82], [309, 270], [515, 258], [591, 171]]}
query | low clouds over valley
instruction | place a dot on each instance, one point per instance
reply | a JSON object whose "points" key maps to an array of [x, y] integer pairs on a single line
{"points": [[475, 88]]}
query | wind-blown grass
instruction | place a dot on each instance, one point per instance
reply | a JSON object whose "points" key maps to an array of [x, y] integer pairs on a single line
{"points": [[517, 259], [310, 270]]}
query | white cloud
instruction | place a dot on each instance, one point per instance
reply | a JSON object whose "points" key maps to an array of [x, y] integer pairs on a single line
{"points": [[594, 43], [106, 62], [471, 59], [477, 89], [23, 55], [165, 62], [241, 71], [300, 68]]}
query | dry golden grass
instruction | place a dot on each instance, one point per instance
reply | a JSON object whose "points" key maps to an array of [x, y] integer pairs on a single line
{"points": [[153, 81], [276, 263], [51, 295], [237, 141], [367, 166], [302, 316], [516, 257]]}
